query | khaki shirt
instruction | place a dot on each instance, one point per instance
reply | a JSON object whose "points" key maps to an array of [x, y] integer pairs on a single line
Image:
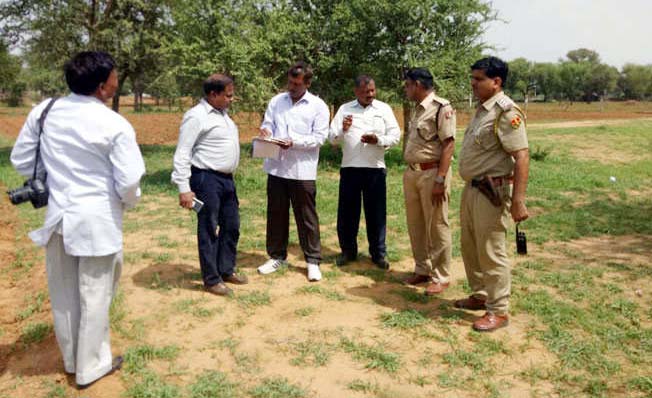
{"points": [[424, 138], [487, 152]]}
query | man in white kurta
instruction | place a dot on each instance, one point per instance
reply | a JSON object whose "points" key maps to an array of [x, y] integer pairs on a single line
{"points": [[93, 167]]}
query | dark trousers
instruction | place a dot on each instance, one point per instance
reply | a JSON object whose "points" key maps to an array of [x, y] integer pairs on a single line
{"points": [[281, 192], [369, 185], [217, 250]]}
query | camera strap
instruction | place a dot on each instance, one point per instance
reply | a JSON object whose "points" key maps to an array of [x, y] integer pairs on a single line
{"points": [[41, 122]]}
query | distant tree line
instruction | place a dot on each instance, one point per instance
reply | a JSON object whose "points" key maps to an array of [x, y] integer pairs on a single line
{"points": [[165, 48], [581, 76]]}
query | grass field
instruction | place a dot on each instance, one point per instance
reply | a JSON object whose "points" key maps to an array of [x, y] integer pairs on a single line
{"points": [[581, 303]]}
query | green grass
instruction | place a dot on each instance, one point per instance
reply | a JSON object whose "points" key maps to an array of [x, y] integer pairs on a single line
{"points": [[406, 319], [136, 358], [363, 386], [583, 311], [212, 384], [34, 305], [277, 388], [34, 333], [55, 391], [254, 298], [150, 385], [413, 296], [311, 353], [330, 294], [304, 311], [193, 307], [374, 357]]}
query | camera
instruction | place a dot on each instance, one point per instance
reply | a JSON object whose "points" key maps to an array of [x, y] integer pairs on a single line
{"points": [[35, 190], [521, 241]]}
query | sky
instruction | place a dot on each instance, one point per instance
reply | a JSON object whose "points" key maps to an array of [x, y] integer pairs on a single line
{"points": [[545, 30]]}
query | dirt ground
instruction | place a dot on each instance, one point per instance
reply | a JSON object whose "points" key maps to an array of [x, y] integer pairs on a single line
{"points": [[163, 127], [266, 336], [163, 302]]}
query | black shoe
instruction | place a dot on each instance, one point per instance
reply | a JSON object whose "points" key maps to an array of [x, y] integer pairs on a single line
{"points": [[219, 289], [381, 263], [116, 365], [343, 259]]}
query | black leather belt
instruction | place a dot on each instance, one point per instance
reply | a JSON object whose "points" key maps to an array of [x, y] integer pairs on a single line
{"points": [[194, 169]]}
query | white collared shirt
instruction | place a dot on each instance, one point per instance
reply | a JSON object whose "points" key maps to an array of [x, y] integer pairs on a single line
{"points": [[208, 139], [93, 166], [306, 124], [377, 118]]}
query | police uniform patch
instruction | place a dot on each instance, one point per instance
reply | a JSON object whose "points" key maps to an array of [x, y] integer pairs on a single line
{"points": [[449, 114], [516, 122]]}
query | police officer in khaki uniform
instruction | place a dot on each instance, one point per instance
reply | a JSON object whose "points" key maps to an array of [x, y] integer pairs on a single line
{"points": [[428, 150], [494, 163]]}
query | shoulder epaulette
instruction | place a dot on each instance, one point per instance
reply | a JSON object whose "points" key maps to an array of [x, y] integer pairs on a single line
{"points": [[441, 101], [505, 105]]}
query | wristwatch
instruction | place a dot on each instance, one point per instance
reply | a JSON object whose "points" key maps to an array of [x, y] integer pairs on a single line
{"points": [[439, 179]]}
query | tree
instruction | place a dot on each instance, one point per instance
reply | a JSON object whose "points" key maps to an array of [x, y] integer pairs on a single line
{"points": [[636, 81], [520, 77], [590, 79], [547, 80], [11, 82], [57, 29], [583, 55]]}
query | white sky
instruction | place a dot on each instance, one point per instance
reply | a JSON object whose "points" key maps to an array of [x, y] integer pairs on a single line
{"points": [[545, 30]]}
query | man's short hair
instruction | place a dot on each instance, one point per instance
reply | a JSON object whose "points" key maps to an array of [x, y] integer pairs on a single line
{"points": [[301, 68], [87, 70], [492, 67], [421, 75], [216, 82], [362, 80]]}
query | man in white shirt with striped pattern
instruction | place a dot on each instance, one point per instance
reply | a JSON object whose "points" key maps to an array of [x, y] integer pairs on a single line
{"points": [[206, 157], [364, 128], [300, 119]]}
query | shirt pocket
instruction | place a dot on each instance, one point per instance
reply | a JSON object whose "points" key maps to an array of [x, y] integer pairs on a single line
{"points": [[486, 138], [300, 124], [426, 130]]}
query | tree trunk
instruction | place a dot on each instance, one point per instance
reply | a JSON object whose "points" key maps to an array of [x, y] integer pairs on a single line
{"points": [[115, 105], [407, 114]]}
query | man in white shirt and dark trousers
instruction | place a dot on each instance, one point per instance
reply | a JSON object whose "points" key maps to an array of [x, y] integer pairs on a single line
{"points": [[364, 128], [301, 120], [93, 167], [206, 157]]}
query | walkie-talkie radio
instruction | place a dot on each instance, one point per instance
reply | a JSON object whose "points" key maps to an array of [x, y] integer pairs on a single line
{"points": [[521, 241]]}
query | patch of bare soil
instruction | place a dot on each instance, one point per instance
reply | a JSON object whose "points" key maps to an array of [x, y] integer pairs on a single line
{"points": [[21, 365], [261, 331]]}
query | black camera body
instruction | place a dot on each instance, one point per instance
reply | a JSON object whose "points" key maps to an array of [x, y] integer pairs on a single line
{"points": [[521, 242], [35, 190]]}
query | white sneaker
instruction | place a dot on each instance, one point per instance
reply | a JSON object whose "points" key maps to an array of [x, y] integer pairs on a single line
{"points": [[271, 266], [314, 274]]}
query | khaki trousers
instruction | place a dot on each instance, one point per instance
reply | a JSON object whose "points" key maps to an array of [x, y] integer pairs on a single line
{"points": [[428, 227], [81, 290], [484, 227]]}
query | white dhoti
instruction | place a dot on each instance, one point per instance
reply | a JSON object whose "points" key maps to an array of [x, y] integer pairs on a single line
{"points": [[81, 289]]}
